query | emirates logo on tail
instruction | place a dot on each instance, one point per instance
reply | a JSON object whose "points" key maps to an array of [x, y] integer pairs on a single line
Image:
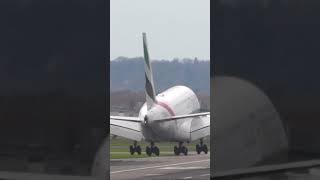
{"points": [[149, 87]]}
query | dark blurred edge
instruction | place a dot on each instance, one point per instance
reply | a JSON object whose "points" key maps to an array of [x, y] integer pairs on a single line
{"points": [[54, 61], [267, 171], [274, 45]]}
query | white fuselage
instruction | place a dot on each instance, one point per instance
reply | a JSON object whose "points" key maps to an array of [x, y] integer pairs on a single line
{"points": [[178, 100]]}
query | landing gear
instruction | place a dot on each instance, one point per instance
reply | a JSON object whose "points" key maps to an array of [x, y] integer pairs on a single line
{"points": [[152, 150], [201, 147], [135, 148], [180, 149]]}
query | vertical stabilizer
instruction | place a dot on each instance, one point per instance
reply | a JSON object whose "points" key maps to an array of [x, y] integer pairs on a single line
{"points": [[149, 87]]}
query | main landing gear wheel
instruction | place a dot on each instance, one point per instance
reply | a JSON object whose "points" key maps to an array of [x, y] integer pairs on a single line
{"points": [[152, 150], [180, 149], [135, 148], [201, 147]]}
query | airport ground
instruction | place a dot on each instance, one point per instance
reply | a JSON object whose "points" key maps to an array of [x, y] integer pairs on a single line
{"points": [[166, 166], [193, 166]]}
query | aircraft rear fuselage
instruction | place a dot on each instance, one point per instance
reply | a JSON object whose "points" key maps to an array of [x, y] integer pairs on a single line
{"points": [[178, 100]]}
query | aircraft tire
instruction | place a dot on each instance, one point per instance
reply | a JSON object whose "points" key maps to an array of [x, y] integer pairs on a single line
{"points": [[148, 151], [176, 150], [138, 150], [185, 151], [131, 149], [205, 149], [198, 149], [156, 151]]}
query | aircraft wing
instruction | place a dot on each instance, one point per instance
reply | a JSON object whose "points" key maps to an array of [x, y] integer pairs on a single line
{"points": [[200, 124], [202, 114], [200, 127], [127, 127]]}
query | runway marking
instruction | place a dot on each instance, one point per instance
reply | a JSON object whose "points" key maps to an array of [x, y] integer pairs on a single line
{"points": [[153, 174], [189, 177], [160, 166], [205, 175], [177, 168]]}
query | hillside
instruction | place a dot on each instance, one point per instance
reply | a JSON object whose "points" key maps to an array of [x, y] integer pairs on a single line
{"points": [[128, 74]]}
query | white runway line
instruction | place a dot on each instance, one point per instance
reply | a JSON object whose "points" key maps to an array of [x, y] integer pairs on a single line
{"points": [[152, 167], [178, 168], [189, 177], [205, 175], [153, 174]]}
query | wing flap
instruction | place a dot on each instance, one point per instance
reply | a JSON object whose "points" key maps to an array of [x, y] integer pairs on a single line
{"points": [[127, 129]]}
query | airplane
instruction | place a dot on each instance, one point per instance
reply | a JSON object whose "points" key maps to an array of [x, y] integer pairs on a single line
{"points": [[171, 116]]}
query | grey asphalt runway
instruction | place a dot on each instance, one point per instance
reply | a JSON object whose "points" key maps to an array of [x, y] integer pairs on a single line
{"points": [[192, 166]]}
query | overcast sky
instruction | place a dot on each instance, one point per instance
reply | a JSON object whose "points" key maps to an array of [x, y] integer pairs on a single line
{"points": [[175, 28]]}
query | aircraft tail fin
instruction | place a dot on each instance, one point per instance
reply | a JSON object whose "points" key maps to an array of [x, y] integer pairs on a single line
{"points": [[149, 85]]}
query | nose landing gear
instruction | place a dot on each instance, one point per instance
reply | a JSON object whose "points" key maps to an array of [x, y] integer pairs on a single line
{"points": [[180, 149], [152, 149], [201, 147], [135, 148]]}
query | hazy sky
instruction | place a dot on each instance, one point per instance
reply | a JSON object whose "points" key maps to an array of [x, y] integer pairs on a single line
{"points": [[175, 28]]}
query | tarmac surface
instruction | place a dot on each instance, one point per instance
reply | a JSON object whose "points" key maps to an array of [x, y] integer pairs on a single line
{"points": [[193, 166]]}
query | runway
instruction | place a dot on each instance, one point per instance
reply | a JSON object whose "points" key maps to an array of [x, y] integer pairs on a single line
{"points": [[192, 166]]}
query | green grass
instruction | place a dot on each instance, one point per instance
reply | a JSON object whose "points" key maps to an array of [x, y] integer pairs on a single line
{"points": [[119, 148]]}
